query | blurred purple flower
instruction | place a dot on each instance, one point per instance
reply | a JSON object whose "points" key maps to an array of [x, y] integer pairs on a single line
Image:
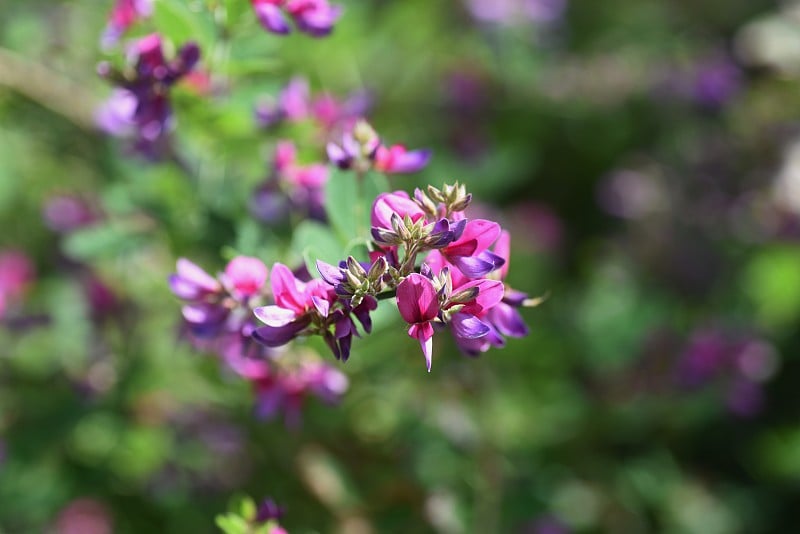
{"points": [[313, 17], [65, 213], [151, 118], [398, 160], [715, 81]]}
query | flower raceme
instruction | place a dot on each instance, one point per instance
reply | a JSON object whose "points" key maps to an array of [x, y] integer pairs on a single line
{"points": [[442, 269], [361, 149]]}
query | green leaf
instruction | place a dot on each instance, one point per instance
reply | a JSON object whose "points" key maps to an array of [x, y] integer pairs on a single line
{"points": [[184, 21], [349, 205], [316, 242], [247, 509], [773, 282], [105, 240], [232, 524]]}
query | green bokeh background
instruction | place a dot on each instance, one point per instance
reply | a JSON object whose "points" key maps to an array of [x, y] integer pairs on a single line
{"points": [[580, 421]]}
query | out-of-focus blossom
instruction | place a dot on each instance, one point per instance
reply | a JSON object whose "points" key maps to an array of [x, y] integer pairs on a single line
{"points": [[141, 106], [512, 12], [65, 213], [716, 80], [313, 17], [360, 148], [245, 276], [398, 160], [124, 14], [741, 363], [296, 104], [16, 274], [291, 187], [84, 516], [285, 392]]}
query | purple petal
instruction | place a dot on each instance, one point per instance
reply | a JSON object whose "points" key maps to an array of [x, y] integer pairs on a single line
{"points": [[412, 161], [321, 305], [329, 273], [508, 321], [271, 18], [272, 336], [468, 326]]}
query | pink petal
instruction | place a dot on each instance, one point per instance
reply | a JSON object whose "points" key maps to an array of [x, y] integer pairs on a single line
{"points": [[287, 290], [416, 299]]}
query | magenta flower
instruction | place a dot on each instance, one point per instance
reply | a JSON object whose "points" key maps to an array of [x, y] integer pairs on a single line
{"points": [[388, 204], [398, 160], [292, 105], [419, 306], [16, 274], [295, 304], [313, 17], [291, 188], [470, 251], [285, 392], [245, 276], [125, 14]]}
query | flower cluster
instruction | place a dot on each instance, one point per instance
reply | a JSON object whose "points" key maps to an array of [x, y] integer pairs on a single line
{"points": [[218, 315], [361, 149], [312, 17], [291, 187], [295, 104], [459, 284], [140, 105]]}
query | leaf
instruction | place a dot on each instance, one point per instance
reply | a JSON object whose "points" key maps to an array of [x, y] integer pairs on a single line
{"points": [[349, 206], [105, 240], [316, 242], [178, 21], [232, 524]]}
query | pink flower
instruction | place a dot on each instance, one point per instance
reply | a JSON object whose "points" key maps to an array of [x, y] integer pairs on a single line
{"points": [[419, 305], [470, 251], [398, 202], [246, 276], [294, 300], [125, 14], [397, 159], [16, 273]]}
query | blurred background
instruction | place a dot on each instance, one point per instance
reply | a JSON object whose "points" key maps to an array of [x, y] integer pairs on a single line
{"points": [[645, 156]]}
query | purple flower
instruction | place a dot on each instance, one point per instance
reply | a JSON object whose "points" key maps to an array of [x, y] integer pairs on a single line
{"points": [[313, 17], [67, 213], [285, 392], [398, 160], [716, 81], [148, 87], [295, 304], [270, 16], [470, 254]]}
